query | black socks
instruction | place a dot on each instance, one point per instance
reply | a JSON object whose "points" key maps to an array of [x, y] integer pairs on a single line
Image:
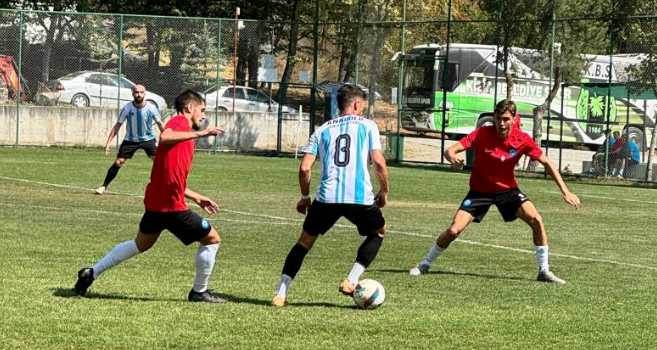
{"points": [[369, 249], [111, 174], [294, 260]]}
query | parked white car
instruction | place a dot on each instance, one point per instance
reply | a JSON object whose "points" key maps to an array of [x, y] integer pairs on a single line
{"points": [[96, 89], [246, 100]]}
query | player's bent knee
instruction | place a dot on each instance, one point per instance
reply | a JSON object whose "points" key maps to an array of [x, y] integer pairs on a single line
{"points": [[143, 247], [307, 240], [453, 232], [120, 162], [144, 244], [211, 238], [535, 221], [381, 232]]}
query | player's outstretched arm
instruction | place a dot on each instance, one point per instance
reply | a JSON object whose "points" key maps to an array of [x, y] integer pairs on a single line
{"points": [[204, 202], [451, 154], [381, 171], [305, 169], [170, 136], [110, 137], [567, 196]]}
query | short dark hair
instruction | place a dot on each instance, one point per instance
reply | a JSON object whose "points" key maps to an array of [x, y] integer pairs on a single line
{"points": [[185, 98], [505, 106], [347, 93]]}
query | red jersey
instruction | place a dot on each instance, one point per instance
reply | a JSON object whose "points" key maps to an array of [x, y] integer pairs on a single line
{"points": [[172, 163], [618, 146], [496, 159]]}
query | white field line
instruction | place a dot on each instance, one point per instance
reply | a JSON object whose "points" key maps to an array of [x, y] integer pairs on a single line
{"points": [[44, 183], [281, 218], [607, 198], [290, 221], [119, 213]]}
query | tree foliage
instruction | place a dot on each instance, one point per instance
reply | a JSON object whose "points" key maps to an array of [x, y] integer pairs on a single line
{"points": [[357, 37]]}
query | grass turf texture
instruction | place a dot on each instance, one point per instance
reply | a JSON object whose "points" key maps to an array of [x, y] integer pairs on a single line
{"points": [[477, 296]]}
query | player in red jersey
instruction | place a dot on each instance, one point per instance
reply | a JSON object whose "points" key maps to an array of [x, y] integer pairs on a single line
{"points": [[165, 204], [497, 149]]}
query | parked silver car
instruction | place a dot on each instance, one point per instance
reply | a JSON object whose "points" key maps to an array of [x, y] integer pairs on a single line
{"points": [[97, 89], [246, 99]]}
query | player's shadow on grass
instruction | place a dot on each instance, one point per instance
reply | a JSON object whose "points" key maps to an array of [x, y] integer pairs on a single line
{"points": [[453, 273], [68, 293], [240, 299]]}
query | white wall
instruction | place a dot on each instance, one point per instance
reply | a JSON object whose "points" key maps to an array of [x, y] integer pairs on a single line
{"points": [[68, 126]]}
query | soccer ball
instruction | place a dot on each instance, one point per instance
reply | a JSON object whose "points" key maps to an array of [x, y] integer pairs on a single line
{"points": [[369, 294]]}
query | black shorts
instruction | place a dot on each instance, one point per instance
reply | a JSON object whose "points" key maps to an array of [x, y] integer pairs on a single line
{"points": [[187, 226], [322, 216], [128, 148], [507, 202]]}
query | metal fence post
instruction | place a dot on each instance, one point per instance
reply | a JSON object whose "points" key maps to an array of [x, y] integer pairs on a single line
{"points": [[361, 23], [607, 108], [550, 82], [119, 71], [497, 56], [444, 82], [563, 87], [400, 85], [279, 121], [17, 95], [217, 82], [313, 89]]}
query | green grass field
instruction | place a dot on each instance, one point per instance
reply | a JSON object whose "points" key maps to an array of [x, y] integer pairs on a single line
{"points": [[481, 292]]}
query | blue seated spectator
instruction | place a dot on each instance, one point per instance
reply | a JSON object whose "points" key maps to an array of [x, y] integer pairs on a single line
{"points": [[634, 158]]}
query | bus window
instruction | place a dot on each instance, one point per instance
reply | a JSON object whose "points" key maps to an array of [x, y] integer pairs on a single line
{"points": [[419, 77], [452, 76]]}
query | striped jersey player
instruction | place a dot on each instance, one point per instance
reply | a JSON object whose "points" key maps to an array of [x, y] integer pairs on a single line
{"points": [[139, 117], [344, 148]]}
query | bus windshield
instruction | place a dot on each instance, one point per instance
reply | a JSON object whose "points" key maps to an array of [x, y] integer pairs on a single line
{"points": [[419, 77]]}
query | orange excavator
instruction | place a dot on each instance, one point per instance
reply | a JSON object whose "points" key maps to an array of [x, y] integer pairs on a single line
{"points": [[11, 81]]}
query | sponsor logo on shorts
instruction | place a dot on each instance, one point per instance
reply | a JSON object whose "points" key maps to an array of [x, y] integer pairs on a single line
{"points": [[205, 224], [467, 203], [512, 152]]}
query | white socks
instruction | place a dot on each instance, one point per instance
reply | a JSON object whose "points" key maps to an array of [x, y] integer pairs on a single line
{"points": [[432, 254], [121, 252], [205, 258], [354, 274], [541, 252], [283, 286]]}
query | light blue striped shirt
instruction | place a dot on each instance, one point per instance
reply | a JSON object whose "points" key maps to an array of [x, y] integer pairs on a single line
{"points": [[343, 147], [139, 126]]}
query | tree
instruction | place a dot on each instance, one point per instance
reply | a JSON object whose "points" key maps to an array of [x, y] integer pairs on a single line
{"points": [[520, 23], [381, 11], [55, 27], [291, 51], [558, 48], [643, 35], [515, 26], [564, 48]]}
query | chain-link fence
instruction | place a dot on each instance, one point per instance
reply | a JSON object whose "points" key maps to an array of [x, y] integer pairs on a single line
{"points": [[583, 82], [77, 70]]}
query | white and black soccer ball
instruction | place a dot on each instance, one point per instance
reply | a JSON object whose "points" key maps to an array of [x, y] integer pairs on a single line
{"points": [[369, 294]]}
